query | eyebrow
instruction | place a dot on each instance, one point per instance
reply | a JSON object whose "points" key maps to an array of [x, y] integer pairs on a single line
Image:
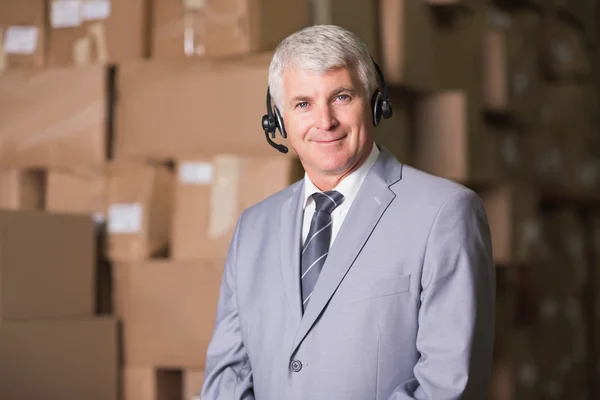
{"points": [[342, 89], [335, 92]]}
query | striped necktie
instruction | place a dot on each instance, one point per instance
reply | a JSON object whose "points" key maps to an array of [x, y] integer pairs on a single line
{"points": [[316, 246]]}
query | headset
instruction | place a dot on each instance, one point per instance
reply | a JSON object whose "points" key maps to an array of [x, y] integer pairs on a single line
{"points": [[380, 104]]}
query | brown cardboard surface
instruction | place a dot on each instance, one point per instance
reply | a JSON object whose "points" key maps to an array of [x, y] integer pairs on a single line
{"points": [[80, 194], [46, 265], [408, 44], [187, 109], [495, 81], [510, 151], [513, 222], [139, 210], [54, 119], [524, 81], [459, 45], [29, 14], [358, 16], [450, 140], [171, 303], [223, 27], [22, 189], [59, 359], [566, 273], [568, 112], [192, 383], [85, 38], [212, 192], [148, 383]]}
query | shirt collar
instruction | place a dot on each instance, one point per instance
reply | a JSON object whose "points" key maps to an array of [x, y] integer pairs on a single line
{"points": [[350, 185]]}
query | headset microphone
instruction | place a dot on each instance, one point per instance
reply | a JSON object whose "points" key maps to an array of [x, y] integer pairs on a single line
{"points": [[380, 104]]}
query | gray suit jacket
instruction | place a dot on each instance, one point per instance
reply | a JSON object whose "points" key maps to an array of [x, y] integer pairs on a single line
{"points": [[403, 308]]}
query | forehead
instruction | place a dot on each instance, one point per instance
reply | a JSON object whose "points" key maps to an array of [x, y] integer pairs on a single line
{"points": [[301, 80]]}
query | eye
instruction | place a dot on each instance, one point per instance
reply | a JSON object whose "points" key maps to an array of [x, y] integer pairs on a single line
{"points": [[343, 97], [302, 104]]}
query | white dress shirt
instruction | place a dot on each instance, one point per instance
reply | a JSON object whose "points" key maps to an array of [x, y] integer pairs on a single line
{"points": [[348, 187]]}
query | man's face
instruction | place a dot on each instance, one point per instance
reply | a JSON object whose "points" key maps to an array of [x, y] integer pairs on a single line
{"points": [[328, 121]]}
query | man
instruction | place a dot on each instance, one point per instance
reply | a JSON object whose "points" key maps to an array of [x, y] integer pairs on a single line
{"points": [[368, 279]]}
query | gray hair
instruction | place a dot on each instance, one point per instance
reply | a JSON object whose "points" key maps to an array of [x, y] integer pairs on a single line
{"points": [[321, 48]]}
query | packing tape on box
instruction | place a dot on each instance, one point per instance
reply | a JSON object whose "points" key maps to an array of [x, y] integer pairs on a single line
{"points": [[197, 14], [94, 40], [2, 52], [224, 195]]}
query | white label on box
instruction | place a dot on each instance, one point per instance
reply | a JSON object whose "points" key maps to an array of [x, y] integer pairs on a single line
{"points": [[96, 9], [20, 40], [65, 13], [125, 218], [196, 173]]}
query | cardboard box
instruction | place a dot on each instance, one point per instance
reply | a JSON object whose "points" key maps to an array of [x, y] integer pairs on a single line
{"points": [[459, 52], [515, 229], [524, 81], [215, 28], [148, 383], [199, 117], [495, 81], [22, 34], [564, 51], [510, 151], [47, 265], [563, 272], [83, 32], [60, 359], [580, 13], [212, 192], [171, 303], [408, 44], [140, 198], [193, 380], [69, 192], [358, 16], [22, 189], [58, 118], [450, 140], [568, 112]]}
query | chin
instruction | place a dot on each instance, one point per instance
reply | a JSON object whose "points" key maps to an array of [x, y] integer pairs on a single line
{"points": [[334, 164]]}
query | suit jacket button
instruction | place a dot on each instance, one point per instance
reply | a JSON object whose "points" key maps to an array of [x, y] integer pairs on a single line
{"points": [[295, 365]]}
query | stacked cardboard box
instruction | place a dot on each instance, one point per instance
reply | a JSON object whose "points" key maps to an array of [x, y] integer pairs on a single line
{"points": [[52, 343], [61, 130]]}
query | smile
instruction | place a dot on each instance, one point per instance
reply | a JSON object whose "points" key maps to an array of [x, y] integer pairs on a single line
{"points": [[330, 140]]}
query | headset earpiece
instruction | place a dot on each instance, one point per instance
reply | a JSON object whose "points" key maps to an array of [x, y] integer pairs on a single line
{"points": [[271, 121], [377, 107], [380, 102]]}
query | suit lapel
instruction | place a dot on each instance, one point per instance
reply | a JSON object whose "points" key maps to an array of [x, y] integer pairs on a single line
{"points": [[371, 201], [289, 250]]}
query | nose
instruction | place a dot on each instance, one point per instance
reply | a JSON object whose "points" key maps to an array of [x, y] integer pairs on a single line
{"points": [[326, 118]]}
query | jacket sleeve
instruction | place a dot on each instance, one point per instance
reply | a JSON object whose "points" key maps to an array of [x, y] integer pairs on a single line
{"points": [[456, 315], [228, 373]]}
